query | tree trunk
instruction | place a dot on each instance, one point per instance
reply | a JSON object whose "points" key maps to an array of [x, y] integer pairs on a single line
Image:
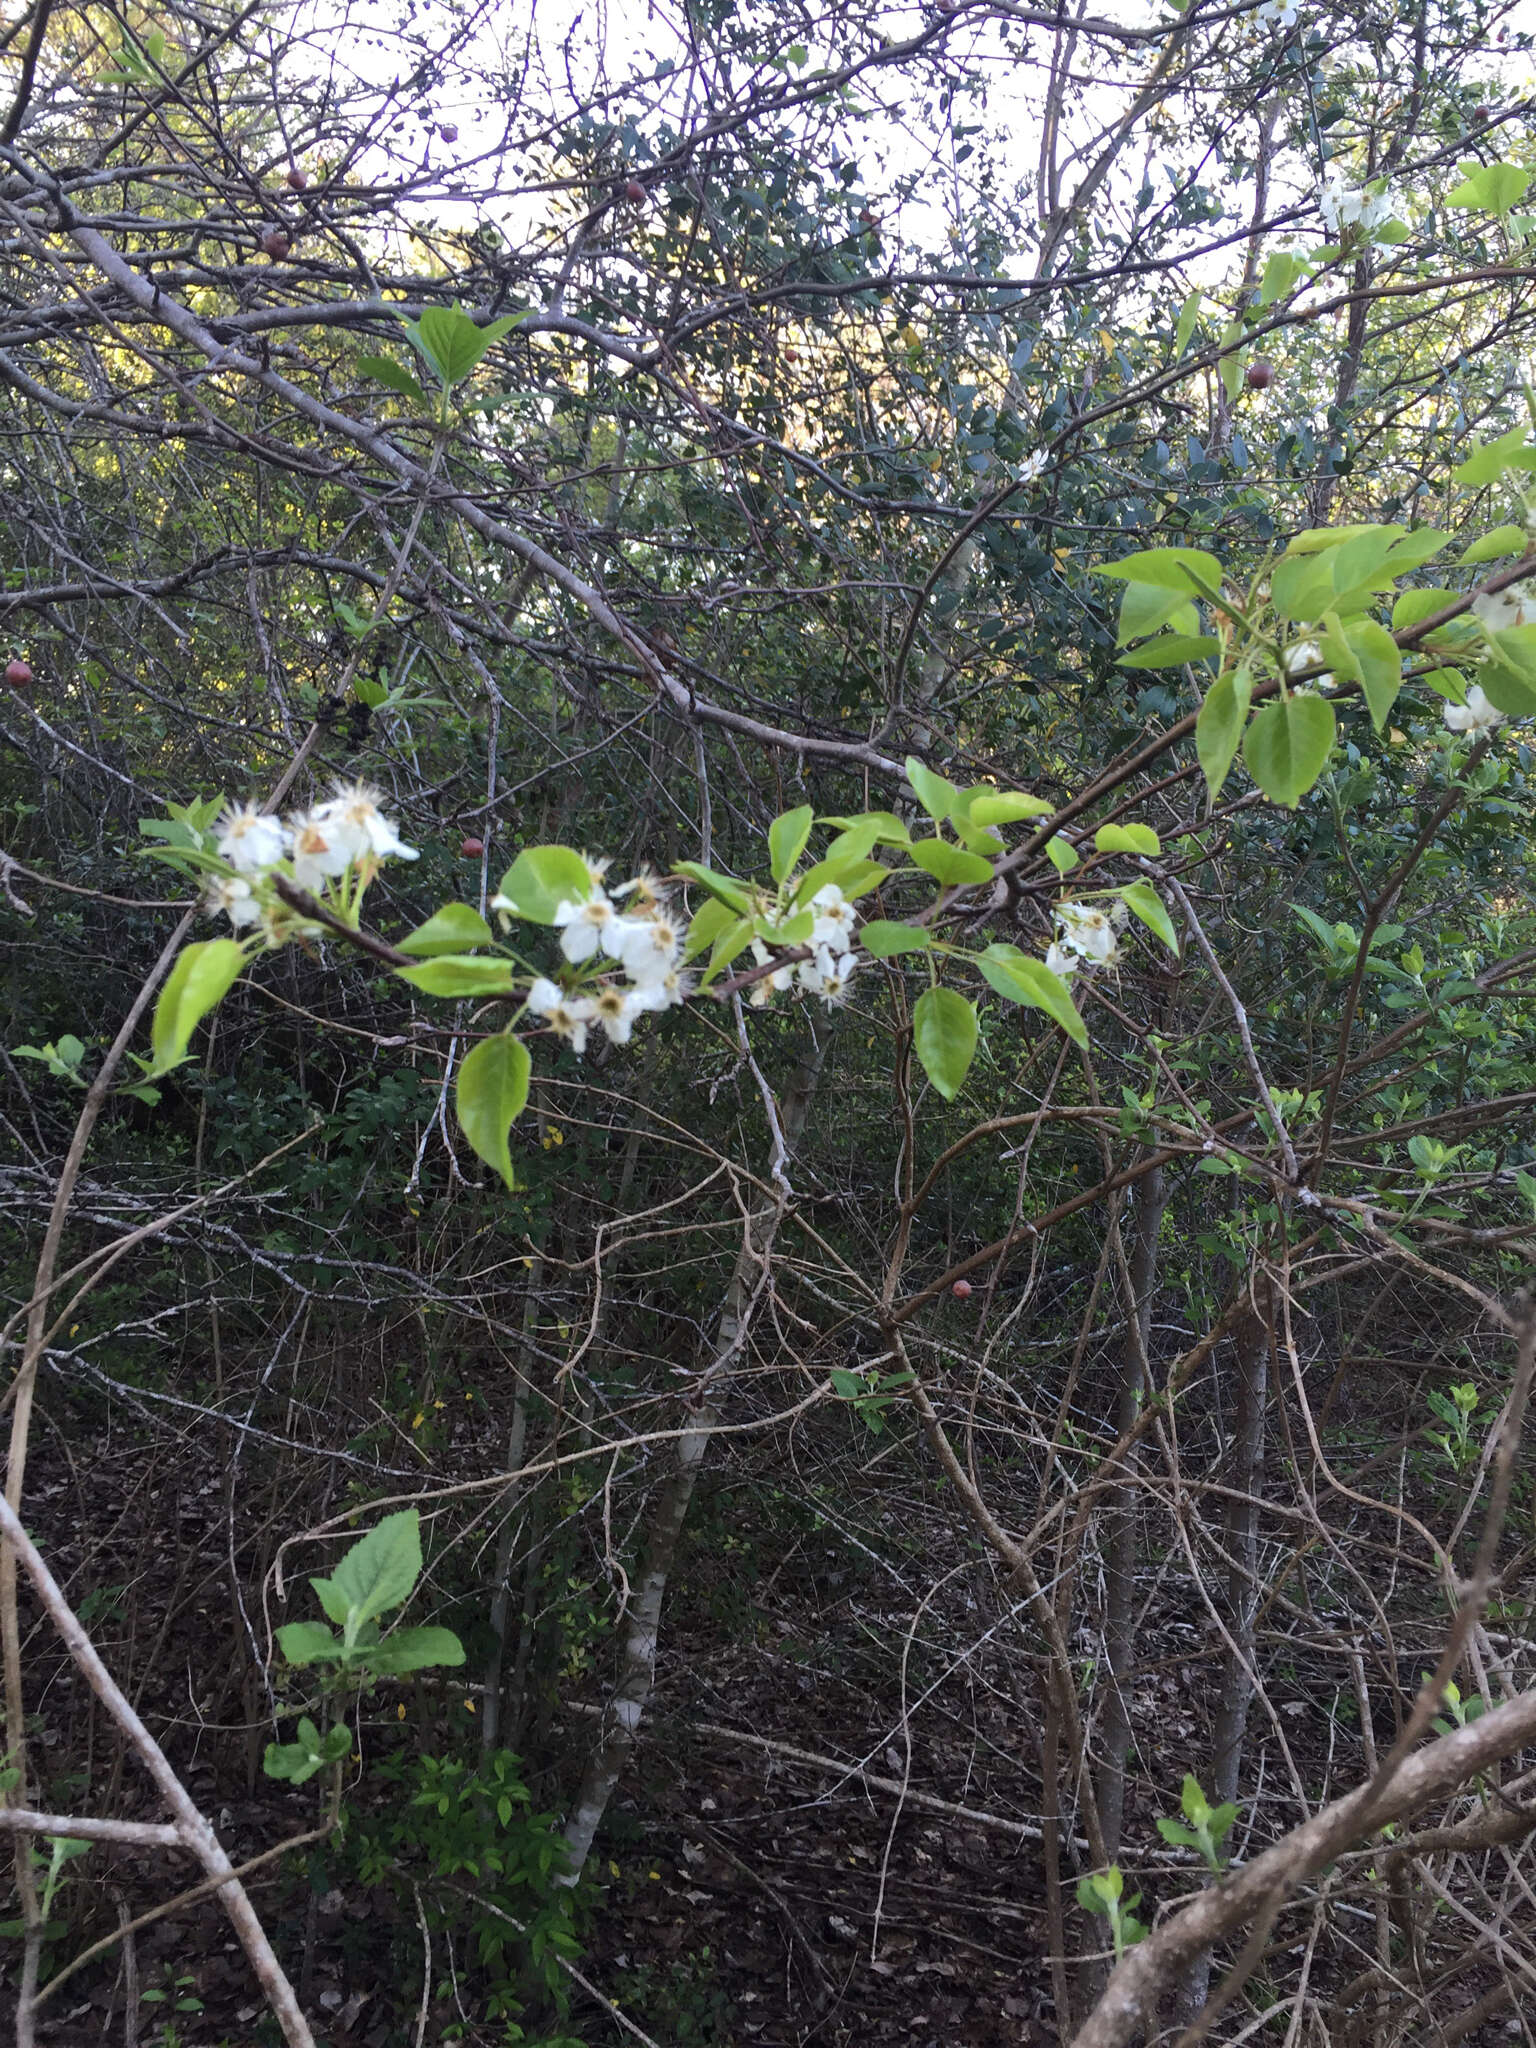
{"points": [[630, 1696]]}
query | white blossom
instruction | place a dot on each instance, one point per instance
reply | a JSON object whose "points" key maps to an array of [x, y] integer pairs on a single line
{"points": [[669, 989], [646, 947], [568, 1017], [250, 839], [1276, 14], [585, 928], [1349, 206], [1060, 960], [1303, 654], [828, 975], [1087, 932], [771, 984], [1514, 606], [232, 895], [835, 919], [354, 821], [615, 1009], [1476, 715], [319, 853], [1034, 466]]}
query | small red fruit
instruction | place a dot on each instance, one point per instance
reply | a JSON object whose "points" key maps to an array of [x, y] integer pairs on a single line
{"points": [[448, 131], [18, 673], [634, 192], [276, 244], [1261, 374], [961, 1290], [472, 848], [297, 180], [1482, 115]]}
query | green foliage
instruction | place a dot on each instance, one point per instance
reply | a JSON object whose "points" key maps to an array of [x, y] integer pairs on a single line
{"points": [[1204, 1827], [1104, 1893]]}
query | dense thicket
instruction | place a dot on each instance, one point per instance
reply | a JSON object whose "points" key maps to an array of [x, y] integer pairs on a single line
{"points": [[865, 1482]]}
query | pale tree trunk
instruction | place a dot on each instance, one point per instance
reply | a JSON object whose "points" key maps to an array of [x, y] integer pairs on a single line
{"points": [[627, 1703], [1120, 1543], [1240, 1536]]}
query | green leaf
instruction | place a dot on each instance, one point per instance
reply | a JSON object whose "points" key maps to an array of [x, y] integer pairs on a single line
{"points": [[1020, 978], [1219, 728], [848, 1386], [1189, 313], [452, 929], [298, 1761], [1171, 650], [710, 919], [932, 791], [1127, 839], [951, 865], [724, 888], [395, 375], [1187, 570], [203, 975], [890, 831], [1504, 540], [415, 1649], [882, 940], [1491, 188], [1142, 899], [1485, 465], [489, 1097], [307, 1642], [379, 1571], [540, 880], [1007, 807], [1412, 605], [1147, 607], [460, 974], [1279, 274], [451, 342], [1381, 667], [854, 878], [1062, 856], [1287, 745], [944, 1032], [786, 840]]}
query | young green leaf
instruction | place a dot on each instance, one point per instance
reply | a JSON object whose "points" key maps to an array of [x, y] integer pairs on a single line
{"points": [[1187, 570], [1219, 728], [951, 865], [415, 1649], [307, 1642], [451, 342], [203, 975], [378, 1572], [385, 371], [1127, 839], [1288, 744], [724, 888], [460, 974], [883, 940], [1007, 807], [932, 791], [1019, 978], [1380, 665], [453, 929], [489, 1097], [1142, 899], [786, 840], [944, 1032], [540, 880]]}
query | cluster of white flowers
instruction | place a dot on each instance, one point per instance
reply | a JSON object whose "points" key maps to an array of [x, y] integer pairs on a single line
{"points": [[1476, 715], [643, 938], [1085, 937], [1350, 206], [1498, 609], [318, 845], [1276, 14], [832, 963]]}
